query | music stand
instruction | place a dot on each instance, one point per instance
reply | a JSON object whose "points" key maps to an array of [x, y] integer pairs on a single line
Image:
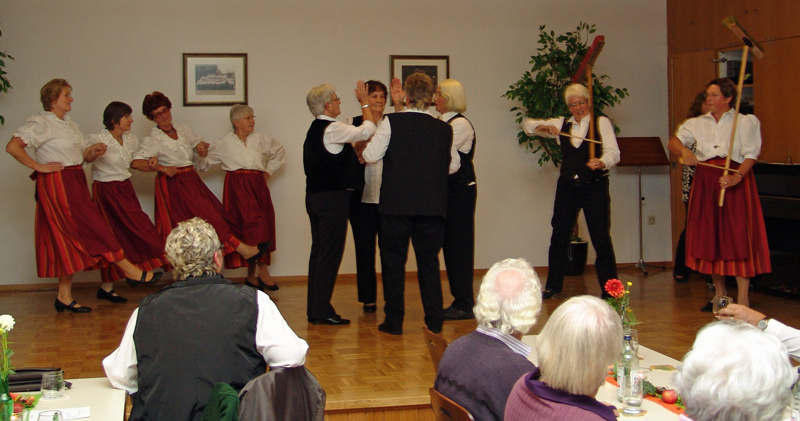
{"points": [[641, 152]]}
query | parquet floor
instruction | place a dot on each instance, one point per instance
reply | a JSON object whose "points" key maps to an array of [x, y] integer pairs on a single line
{"points": [[357, 365]]}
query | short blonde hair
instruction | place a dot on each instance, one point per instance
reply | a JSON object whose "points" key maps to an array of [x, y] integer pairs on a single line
{"points": [[510, 297], [578, 343], [318, 96], [576, 89], [190, 248], [453, 92], [51, 91], [238, 111], [419, 91]]}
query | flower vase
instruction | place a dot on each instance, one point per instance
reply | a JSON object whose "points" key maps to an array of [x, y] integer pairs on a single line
{"points": [[6, 403]]}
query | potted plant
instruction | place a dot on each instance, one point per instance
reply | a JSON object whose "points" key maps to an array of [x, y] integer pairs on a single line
{"points": [[540, 94], [5, 85]]}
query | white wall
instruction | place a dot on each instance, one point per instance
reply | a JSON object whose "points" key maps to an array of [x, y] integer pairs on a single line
{"points": [[115, 50]]}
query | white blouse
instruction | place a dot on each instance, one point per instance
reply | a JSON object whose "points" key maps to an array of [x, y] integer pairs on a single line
{"points": [[712, 137], [115, 164], [261, 153], [171, 152], [53, 139]]}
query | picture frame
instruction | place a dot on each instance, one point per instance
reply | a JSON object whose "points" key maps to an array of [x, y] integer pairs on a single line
{"points": [[437, 67], [214, 79]]}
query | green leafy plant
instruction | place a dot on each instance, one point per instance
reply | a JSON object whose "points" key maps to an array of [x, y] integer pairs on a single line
{"points": [[5, 85], [540, 90]]}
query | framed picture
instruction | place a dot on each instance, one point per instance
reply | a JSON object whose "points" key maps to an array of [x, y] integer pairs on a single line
{"points": [[437, 67], [214, 79]]}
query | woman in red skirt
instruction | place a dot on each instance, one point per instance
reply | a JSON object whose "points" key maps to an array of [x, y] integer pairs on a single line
{"points": [[71, 234], [115, 197], [727, 240], [174, 151], [249, 159]]}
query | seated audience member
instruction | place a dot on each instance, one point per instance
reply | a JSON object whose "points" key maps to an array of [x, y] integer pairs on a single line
{"points": [[508, 303], [788, 335], [576, 346], [201, 330], [735, 372]]}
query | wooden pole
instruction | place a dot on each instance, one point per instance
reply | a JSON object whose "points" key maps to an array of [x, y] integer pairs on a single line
{"points": [[742, 68]]}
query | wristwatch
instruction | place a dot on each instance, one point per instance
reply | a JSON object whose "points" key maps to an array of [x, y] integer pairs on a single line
{"points": [[762, 324]]}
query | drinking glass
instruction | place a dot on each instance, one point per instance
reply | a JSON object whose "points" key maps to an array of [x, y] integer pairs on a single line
{"points": [[632, 402], [720, 302], [53, 384], [54, 415]]}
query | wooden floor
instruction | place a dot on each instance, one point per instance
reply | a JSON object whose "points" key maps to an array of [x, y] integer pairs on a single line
{"points": [[362, 370]]}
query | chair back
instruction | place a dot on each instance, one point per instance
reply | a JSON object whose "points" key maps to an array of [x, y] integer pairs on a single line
{"points": [[436, 346], [290, 394], [446, 410]]}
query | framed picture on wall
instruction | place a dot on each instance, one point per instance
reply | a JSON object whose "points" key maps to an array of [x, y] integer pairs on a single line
{"points": [[214, 79], [437, 67]]}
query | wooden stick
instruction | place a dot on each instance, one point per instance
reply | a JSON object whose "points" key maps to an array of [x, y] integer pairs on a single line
{"points": [[591, 134], [742, 67], [719, 167], [581, 138]]}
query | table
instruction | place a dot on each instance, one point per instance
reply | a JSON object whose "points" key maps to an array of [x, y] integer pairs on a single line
{"points": [[105, 402], [608, 392]]}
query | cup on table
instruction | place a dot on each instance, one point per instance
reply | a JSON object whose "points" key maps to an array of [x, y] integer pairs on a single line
{"points": [[720, 302], [54, 415], [632, 403], [53, 384]]}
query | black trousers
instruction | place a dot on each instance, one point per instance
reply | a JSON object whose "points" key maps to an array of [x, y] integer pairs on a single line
{"points": [[364, 223], [459, 243], [593, 197], [426, 233], [327, 212]]}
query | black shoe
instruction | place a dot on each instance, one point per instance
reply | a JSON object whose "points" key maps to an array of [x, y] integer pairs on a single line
{"points": [[436, 331], [391, 329], [458, 314], [134, 282], [370, 308], [262, 249], [680, 278], [60, 307], [549, 293], [335, 320], [110, 296], [707, 308], [254, 286], [273, 287]]}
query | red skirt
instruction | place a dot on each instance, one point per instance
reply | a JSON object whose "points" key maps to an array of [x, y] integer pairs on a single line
{"points": [[247, 201], [185, 196], [70, 233], [727, 240], [143, 245]]}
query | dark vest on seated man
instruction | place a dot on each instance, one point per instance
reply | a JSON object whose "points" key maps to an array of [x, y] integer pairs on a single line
{"points": [[188, 337]]}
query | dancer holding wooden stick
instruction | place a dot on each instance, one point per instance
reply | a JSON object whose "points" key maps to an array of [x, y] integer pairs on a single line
{"points": [[735, 242]]}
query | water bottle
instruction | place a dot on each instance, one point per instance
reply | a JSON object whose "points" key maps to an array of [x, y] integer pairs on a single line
{"points": [[628, 362]]}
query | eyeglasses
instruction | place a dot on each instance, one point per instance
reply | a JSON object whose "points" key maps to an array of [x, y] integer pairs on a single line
{"points": [[577, 104], [160, 114], [337, 99], [713, 95]]}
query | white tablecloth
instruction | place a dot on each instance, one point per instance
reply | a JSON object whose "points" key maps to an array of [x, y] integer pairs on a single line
{"points": [[104, 402]]}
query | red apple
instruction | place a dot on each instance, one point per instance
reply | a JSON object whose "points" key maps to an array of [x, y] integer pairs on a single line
{"points": [[669, 396]]}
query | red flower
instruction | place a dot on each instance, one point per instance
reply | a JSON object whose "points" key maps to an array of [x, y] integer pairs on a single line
{"points": [[614, 288]]}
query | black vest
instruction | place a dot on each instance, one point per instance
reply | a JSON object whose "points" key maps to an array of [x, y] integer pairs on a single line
{"points": [[415, 166], [359, 182], [326, 171], [466, 173], [573, 160], [188, 337]]}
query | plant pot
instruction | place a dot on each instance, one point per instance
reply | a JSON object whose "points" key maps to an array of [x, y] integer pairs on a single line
{"points": [[576, 258]]}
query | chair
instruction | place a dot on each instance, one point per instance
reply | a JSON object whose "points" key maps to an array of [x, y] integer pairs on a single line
{"points": [[436, 345], [291, 394], [446, 410]]}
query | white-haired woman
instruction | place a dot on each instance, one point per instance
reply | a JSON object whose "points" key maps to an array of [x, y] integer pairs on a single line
{"points": [[583, 184], [249, 159], [509, 301], [576, 346], [462, 193], [735, 372]]}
